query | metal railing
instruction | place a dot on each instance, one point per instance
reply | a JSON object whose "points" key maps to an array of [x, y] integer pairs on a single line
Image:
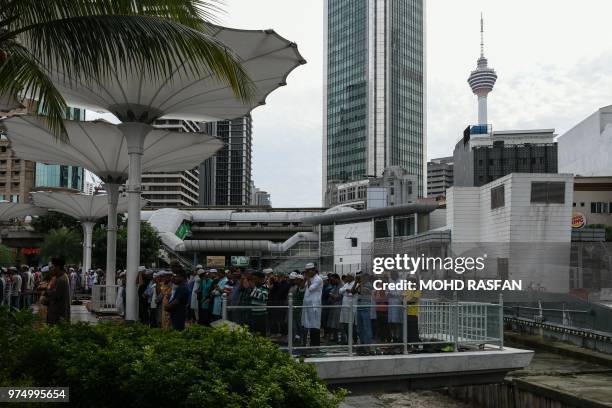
{"points": [[104, 298], [442, 326]]}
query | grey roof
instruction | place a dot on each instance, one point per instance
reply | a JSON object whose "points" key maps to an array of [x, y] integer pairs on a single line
{"points": [[347, 216], [101, 147]]}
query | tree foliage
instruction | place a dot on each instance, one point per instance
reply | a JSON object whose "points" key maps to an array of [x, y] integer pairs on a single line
{"points": [[63, 243], [53, 221], [109, 364], [150, 244], [94, 38], [6, 256]]}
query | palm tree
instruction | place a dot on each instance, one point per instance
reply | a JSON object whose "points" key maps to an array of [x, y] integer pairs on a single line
{"points": [[89, 38], [62, 243]]}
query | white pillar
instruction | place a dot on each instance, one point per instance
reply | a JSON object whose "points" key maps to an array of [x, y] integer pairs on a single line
{"points": [[135, 134], [482, 110], [112, 190], [88, 227]]}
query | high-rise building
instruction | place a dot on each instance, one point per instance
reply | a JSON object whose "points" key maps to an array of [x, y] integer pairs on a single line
{"points": [[16, 175], [62, 176], [226, 178], [177, 189], [439, 176], [374, 90], [260, 198]]}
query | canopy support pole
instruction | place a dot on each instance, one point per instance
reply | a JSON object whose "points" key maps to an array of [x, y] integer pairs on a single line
{"points": [[111, 232], [135, 134], [88, 227]]}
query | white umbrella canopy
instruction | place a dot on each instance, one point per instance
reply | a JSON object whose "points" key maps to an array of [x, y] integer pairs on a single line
{"points": [[137, 98], [85, 208], [9, 211], [101, 147], [134, 96]]}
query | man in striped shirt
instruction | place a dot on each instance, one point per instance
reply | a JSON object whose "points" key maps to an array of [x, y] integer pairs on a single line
{"points": [[258, 300]]}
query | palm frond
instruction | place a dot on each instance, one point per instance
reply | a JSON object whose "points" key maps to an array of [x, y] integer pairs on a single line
{"points": [[187, 12], [94, 46], [21, 74]]}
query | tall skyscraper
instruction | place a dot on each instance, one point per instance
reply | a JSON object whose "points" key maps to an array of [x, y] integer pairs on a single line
{"points": [[226, 178], [62, 176], [374, 90]]}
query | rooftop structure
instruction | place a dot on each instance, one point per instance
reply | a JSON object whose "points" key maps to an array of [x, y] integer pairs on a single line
{"points": [[484, 155]]}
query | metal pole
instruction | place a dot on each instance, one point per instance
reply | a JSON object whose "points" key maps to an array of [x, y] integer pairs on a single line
{"points": [[456, 322], [224, 306], [405, 324], [501, 321], [88, 227], [290, 324], [134, 134], [350, 327], [111, 232]]}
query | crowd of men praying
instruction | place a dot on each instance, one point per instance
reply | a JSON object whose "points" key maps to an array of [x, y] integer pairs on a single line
{"points": [[322, 307]]}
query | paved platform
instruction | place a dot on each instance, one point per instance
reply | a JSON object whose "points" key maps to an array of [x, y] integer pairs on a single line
{"points": [[424, 370]]}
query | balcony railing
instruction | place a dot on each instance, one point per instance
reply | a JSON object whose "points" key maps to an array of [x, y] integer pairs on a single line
{"points": [[446, 326]]}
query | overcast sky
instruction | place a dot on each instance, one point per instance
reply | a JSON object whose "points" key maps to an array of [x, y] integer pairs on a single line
{"points": [[553, 59]]}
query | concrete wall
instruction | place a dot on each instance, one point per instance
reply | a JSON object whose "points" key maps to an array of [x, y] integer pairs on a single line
{"points": [[437, 219], [534, 238], [344, 254], [586, 149]]}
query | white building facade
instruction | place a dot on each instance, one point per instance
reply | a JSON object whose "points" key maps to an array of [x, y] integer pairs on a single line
{"points": [[586, 149], [522, 222]]}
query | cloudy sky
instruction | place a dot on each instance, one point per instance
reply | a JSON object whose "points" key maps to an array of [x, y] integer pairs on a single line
{"points": [[553, 58]]}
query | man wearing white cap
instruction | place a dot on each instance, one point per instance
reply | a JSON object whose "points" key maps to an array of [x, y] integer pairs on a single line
{"points": [[311, 314]]}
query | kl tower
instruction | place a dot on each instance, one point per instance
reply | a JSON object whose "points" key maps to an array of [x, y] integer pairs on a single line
{"points": [[482, 80]]}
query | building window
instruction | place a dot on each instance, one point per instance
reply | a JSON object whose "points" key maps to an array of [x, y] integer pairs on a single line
{"points": [[404, 226], [327, 233], [497, 197], [502, 268], [548, 192], [601, 208], [382, 228]]}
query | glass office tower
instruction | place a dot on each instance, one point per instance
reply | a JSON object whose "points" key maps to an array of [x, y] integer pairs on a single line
{"points": [[60, 176], [374, 96]]}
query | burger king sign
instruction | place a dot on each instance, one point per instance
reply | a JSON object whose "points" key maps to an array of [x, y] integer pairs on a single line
{"points": [[578, 220]]}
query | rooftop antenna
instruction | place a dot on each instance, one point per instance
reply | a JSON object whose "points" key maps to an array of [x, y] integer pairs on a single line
{"points": [[481, 35]]}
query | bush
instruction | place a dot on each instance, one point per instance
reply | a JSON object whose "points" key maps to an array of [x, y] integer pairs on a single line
{"points": [[111, 364]]}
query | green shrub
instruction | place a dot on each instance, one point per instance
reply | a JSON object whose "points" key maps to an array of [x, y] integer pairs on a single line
{"points": [[109, 364]]}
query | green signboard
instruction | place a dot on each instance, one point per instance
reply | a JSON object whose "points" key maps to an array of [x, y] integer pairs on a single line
{"points": [[183, 231]]}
